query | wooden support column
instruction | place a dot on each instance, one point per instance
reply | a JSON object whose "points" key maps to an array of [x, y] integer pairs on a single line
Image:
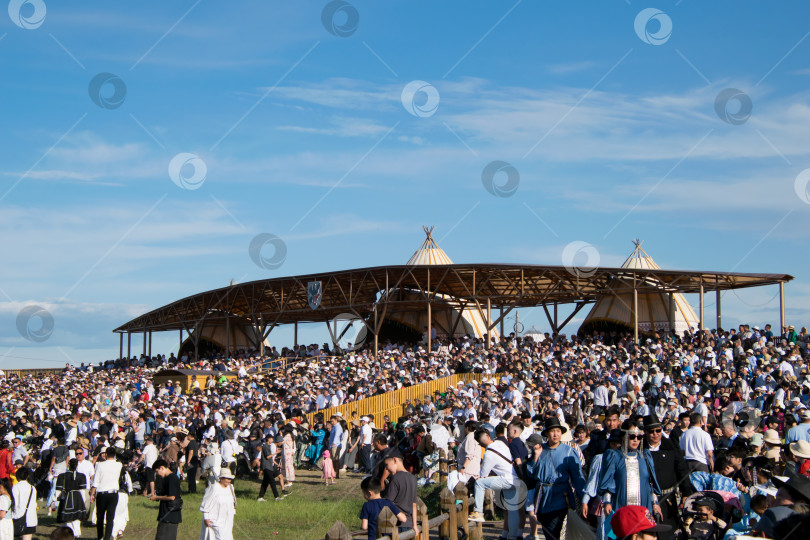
{"points": [[429, 327], [429, 317], [671, 312], [144, 343], [181, 344], [121, 345], [635, 310], [376, 331], [701, 315], [781, 305], [150, 344], [501, 317], [295, 334], [719, 310], [228, 335], [129, 344], [556, 326], [489, 324]]}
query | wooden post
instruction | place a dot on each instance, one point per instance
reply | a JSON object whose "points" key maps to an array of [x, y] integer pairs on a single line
{"points": [[702, 318], [181, 344], [295, 334], [228, 335], [781, 306], [442, 465], [489, 502], [387, 524], [635, 310], [129, 344], [448, 529], [719, 310], [424, 522], [461, 494], [489, 324], [144, 343], [671, 312], [121, 345], [376, 331], [430, 317], [339, 531]]}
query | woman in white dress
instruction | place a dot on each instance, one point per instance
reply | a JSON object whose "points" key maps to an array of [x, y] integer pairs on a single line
{"points": [[6, 523], [121, 516], [218, 508]]}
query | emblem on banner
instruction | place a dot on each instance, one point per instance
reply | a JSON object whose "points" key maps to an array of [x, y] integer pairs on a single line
{"points": [[314, 293]]}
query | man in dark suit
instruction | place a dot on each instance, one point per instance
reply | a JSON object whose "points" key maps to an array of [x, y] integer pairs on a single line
{"points": [[671, 471], [599, 438]]}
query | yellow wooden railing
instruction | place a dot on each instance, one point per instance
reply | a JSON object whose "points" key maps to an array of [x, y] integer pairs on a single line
{"points": [[392, 404]]}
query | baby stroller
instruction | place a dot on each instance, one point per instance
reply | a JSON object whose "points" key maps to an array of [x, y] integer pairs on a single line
{"points": [[725, 506]]}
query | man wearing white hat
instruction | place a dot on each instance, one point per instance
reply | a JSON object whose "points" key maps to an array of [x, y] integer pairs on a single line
{"points": [[364, 453]]}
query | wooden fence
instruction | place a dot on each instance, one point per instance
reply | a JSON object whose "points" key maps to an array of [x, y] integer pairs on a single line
{"points": [[37, 372], [393, 403]]}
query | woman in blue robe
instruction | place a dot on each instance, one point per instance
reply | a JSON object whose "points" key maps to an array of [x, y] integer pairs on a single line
{"points": [[315, 449], [628, 476]]}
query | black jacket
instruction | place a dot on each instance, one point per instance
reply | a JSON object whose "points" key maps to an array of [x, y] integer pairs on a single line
{"points": [[671, 469]]}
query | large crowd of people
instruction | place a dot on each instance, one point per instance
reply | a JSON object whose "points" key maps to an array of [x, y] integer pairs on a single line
{"points": [[708, 432]]}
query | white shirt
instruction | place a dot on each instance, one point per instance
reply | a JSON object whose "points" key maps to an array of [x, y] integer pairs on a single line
{"points": [[150, 455], [695, 443], [365, 434], [492, 462], [87, 469], [24, 494], [106, 476]]}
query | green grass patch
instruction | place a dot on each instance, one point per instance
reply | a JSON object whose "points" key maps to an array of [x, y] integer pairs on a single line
{"points": [[306, 514]]}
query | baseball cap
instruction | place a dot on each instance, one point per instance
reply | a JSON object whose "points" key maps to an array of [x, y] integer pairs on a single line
{"points": [[633, 519]]}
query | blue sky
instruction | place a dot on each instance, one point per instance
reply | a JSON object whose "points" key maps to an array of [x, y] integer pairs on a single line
{"points": [[302, 133]]}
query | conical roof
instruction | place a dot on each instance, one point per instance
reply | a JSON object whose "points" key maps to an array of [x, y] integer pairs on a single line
{"points": [[429, 252], [639, 259], [657, 310], [445, 318]]}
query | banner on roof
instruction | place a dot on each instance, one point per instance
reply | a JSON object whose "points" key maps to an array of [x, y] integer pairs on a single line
{"points": [[314, 293]]}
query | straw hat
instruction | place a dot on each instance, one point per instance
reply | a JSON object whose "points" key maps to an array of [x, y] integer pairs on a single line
{"points": [[772, 437], [800, 449]]}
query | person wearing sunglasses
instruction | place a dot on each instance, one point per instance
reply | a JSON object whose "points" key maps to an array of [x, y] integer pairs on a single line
{"points": [[670, 468], [628, 475]]}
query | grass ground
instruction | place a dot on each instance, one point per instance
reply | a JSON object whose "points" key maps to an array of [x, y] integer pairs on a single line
{"points": [[308, 512]]}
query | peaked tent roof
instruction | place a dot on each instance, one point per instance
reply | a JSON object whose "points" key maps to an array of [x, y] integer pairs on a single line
{"points": [[445, 321], [657, 309], [429, 252]]}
